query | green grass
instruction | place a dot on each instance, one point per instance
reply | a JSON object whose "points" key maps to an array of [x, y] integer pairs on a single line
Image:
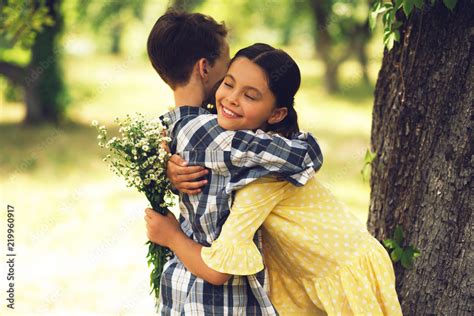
{"points": [[80, 232]]}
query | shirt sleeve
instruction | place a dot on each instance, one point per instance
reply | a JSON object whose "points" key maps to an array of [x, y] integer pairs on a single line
{"points": [[248, 155], [234, 251], [296, 159]]}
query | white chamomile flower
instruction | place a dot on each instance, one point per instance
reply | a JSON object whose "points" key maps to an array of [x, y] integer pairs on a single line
{"points": [[94, 123]]}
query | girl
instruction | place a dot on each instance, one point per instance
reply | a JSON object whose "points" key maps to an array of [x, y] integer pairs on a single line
{"points": [[243, 156], [320, 259]]}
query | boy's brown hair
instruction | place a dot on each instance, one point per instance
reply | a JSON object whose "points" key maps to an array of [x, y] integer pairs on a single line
{"points": [[179, 39]]}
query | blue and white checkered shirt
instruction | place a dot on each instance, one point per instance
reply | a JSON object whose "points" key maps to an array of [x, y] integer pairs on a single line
{"points": [[234, 159]]}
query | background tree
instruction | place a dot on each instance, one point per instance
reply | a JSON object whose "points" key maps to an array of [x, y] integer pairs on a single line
{"points": [[185, 5], [111, 17], [40, 78], [341, 30], [422, 135]]}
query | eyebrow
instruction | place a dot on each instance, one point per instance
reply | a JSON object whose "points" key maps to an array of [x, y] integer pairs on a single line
{"points": [[245, 87]]}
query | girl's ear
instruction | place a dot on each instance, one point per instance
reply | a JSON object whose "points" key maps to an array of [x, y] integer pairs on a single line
{"points": [[278, 115], [203, 66]]}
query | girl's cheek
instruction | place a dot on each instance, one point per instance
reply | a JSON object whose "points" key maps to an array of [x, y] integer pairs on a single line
{"points": [[220, 93]]}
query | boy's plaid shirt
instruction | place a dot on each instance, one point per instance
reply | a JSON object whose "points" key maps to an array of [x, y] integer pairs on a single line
{"points": [[234, 159]]}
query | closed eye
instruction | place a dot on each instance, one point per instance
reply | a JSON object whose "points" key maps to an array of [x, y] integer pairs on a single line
{"points": [[228, 85]]}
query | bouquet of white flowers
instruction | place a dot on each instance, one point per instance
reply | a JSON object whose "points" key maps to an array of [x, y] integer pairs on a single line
{"points": [[138, 156]]}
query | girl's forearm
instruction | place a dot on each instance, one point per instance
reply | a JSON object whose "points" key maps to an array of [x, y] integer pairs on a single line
{"points": [[189, 252]]}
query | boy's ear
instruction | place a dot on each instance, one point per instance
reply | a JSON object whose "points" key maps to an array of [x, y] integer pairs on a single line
{"points": [[203, 66], [278, 115]]}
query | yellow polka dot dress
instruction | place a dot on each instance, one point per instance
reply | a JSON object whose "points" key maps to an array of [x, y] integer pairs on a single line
{"points": [[321, 260]]}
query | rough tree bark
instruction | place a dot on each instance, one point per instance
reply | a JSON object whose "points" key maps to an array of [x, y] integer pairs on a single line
{"points": [[422, 174]]}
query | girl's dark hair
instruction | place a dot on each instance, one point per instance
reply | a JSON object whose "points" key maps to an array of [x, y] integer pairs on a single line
{"points": [[284, 80]]}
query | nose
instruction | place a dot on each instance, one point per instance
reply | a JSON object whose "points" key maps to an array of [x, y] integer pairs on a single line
{"points": [[232, 99]]}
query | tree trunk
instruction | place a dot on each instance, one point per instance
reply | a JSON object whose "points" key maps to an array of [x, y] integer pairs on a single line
{"points": [[332, 56], [323, 43], [116, 36], [422, 174], [361, 37], [44, 87]]}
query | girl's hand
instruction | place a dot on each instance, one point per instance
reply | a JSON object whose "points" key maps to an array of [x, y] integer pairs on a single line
{"points": [[183, 177], [161, 229]]}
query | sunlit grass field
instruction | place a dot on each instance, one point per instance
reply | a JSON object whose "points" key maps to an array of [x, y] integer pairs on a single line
{"points": [[79, 232]]}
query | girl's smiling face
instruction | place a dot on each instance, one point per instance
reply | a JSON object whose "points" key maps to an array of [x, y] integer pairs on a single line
{"points": [[244, 100]]}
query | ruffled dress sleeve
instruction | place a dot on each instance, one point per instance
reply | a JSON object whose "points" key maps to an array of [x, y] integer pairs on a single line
{"points": [[234, 251]]}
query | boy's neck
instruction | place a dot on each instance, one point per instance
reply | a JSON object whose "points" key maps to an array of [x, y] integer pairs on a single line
{"points": [[188, 95]]}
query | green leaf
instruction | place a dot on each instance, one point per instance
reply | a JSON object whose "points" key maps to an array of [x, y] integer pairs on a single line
{"points": [[407, 6], [369, 156], [398, 235], [416, 253], [372, 20], [412, 251], [396, 35], [396, 254], [377, 9], [418, 3], [389, 39], [387, 18], [365, 172], [396, 25], [388, 5], [390, 244], [406, 259], [450, 4], [398, 4]]}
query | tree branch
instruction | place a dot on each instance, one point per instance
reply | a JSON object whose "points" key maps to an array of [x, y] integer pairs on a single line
{"points": [[14, 73]]}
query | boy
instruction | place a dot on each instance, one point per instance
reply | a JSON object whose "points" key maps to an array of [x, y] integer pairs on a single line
{"points": [[190, 53]]}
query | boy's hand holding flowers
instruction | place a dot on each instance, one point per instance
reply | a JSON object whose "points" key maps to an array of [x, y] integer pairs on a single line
{"points": [[161, 229], [140, 154]]}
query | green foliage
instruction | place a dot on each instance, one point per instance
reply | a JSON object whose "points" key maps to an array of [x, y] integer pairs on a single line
{"points": [[388, 10], [450, 4], [12, 93], [103, 13], [369, 157], [110, 17], [20, 22], [405, 255]]}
